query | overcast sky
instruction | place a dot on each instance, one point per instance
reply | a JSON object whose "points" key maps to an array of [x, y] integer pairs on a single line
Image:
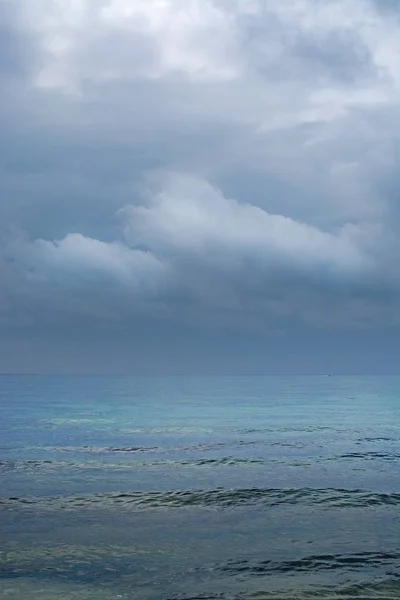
{"points": [[200, 186]]}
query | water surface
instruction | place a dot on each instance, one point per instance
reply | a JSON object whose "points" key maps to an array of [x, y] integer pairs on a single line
{"points": [[203, 488]]}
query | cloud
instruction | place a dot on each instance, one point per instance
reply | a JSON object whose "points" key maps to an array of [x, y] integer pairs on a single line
{"points": [[203, 161], [83, 260], [210, 40], [302, 95], [100, 41], [188, 216], [189, 243]]}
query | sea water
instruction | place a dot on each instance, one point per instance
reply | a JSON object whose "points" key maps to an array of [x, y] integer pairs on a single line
{"points": [[203, 488]]}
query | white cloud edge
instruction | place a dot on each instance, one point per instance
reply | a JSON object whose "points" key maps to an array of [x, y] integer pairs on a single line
{"points": [[188, 219]]}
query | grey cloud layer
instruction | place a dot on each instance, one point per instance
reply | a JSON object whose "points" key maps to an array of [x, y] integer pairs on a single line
{"points": [[186, 157], [189, 218], [189, 241]]}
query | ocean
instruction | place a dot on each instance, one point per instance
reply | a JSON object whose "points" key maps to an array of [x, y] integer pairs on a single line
{"points": [[199, 488]]}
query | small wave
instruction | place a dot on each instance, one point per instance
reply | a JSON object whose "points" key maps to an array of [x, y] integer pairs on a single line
{"points": [[312, 563], [217, 498], [225, 460], [387, 456], [34, 463], [305, 429], [174, 430], [235, 430], [55, 465], [386, 589], [90, 465], [378, 439], [132, 449], [15, 465], [203, 447], [92, 449]]}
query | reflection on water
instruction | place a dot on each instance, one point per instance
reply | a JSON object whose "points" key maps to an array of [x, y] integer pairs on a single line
{"points": [[180, 488]]}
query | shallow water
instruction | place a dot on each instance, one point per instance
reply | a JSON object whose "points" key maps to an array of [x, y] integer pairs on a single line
{"points": [[181, 488]]}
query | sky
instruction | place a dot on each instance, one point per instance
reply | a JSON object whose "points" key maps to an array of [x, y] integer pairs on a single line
{"points": [[200, 186]]}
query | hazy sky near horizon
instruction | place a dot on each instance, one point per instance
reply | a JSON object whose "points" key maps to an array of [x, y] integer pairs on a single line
{"points": [[200, 185]]}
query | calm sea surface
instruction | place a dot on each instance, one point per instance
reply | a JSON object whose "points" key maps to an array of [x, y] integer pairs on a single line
{"points": [[199, 488]]}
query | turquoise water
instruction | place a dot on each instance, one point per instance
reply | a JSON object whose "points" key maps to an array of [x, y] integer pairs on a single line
{"points": [[199, 488]]}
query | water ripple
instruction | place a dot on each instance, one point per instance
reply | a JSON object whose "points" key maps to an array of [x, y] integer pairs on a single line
{"points": [[219, 498], [313, 563]]}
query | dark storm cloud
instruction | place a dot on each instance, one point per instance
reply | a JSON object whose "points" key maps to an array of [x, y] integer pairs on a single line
{"points": [[197, 166]]}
